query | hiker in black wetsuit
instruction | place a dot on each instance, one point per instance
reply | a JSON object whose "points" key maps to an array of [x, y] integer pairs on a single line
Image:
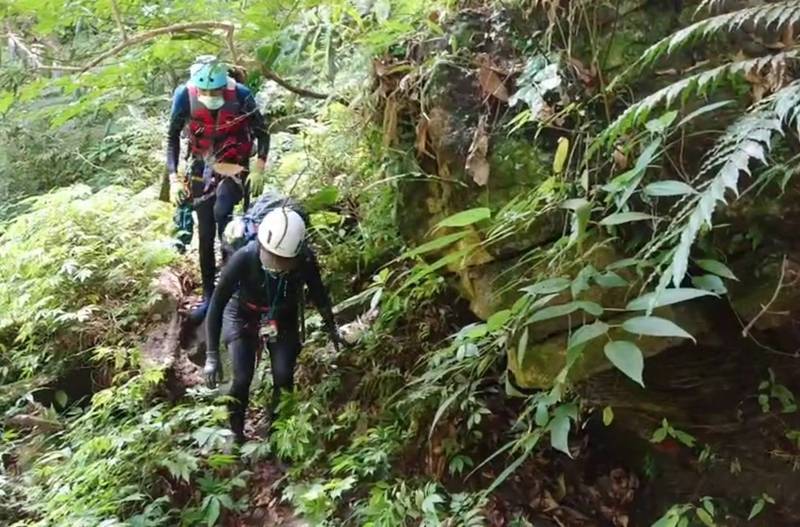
{"points": [[256, 301], [221, 121]]}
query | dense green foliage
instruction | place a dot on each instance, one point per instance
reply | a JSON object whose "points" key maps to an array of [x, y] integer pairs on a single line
{"points": [[622, 176]]}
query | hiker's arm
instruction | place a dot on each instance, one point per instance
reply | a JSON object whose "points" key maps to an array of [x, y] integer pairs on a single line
{"points": [[319, 294], [177, 120], [258, 125], [228, 282]]}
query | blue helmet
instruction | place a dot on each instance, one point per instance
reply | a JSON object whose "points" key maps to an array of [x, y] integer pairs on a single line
{"points": [[207, 73]]}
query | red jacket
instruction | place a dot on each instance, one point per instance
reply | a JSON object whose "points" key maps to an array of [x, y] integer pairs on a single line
{"points": [[225, 136]]}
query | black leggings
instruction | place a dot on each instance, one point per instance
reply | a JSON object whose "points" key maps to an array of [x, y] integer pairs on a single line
{"points": [[216, 211], [283, 358]]}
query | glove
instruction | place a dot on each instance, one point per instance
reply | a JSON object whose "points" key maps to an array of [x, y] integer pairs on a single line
{"points": [[212, 369], [258, 178], [177, 192]]}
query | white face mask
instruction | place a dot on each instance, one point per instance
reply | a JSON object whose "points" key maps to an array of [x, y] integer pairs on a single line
{"points": [[211, 102]]}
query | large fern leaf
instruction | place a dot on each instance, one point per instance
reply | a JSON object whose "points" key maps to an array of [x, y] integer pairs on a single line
{"points": [[748, 139], [697, 84], [769, 16]]}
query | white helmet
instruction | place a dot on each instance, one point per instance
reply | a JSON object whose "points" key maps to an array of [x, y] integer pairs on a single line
{"points": [[282, 232]]}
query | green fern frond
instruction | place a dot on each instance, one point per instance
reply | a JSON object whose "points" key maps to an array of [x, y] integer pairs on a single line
{"points": [[748, 139], [698, 84], [769, 16]]}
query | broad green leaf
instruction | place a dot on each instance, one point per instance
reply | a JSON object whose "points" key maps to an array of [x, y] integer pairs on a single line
{"points": [[627, 357], [684, 438], [668, 520], [541, 416], [642, 163], [717, 268], [6, 100], [522, 348], [464, 218], [620, 264], [542, 301], [520, 304], [559, 433], [592, 308], [560, 158], [552, 285], [654, 326], [586, 333], [608, 415], [624, 217], [705, 517], [212, 511], [662, 123], [575, 204], [578, 225], [498, 320], [757, 508], [324, 197], [433, 245], [659, 435], [666, 298], [479, 331], [610, 279], [710, 282], [61, 399], [623, 180], [554, 311], [668, 188]]}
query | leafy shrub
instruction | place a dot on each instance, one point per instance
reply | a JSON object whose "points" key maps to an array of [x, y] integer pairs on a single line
{"points": [[75, 271]]}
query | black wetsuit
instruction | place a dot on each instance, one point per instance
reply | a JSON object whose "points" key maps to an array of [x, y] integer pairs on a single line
{"points": [[245, 295]]}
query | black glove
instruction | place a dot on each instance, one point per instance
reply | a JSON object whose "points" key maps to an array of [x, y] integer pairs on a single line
{"points": [[213, 368]]}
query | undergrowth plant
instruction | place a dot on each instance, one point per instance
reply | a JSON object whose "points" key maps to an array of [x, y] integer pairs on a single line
{"points": [[76, 272]]}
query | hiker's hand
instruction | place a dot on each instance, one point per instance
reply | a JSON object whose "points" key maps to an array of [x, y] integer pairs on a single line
{"points": [[177, 193], [261, 165], [212, 369]]}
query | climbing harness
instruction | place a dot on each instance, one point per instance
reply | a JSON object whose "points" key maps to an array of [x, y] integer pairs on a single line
{"points": [[267, 324]]}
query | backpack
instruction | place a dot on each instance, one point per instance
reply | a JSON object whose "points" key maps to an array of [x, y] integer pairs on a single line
{"points": [[244, 229]]}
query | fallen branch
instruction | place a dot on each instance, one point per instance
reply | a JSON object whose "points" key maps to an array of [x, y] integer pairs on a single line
{"points": [[153, 33]]}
